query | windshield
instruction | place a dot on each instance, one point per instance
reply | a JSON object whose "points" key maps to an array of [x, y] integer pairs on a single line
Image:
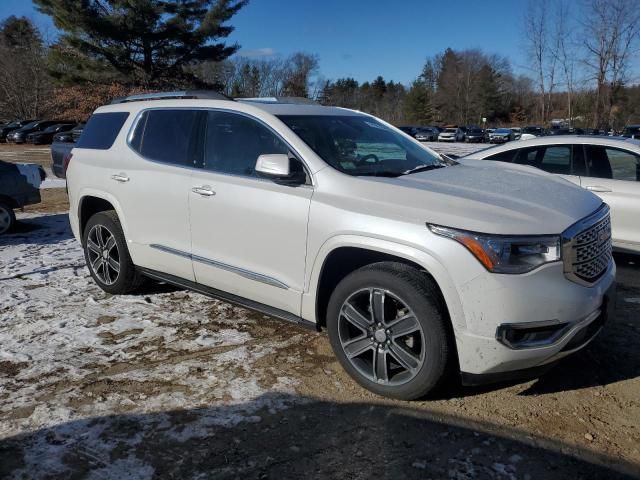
{"points": [[359, 145], [449, 130], [503, 130], [475, 131]]}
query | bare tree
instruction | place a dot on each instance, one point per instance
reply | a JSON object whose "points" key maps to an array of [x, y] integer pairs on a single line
{"points": [[543, 46], [612, 29], [564, 51]]}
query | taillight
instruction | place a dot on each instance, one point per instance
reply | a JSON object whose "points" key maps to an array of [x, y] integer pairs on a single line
{"points": [[65, 162]]}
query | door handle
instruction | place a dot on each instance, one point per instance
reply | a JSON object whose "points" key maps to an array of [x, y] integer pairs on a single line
{"points": [[120, 177], [597, 188], [205, 191]]}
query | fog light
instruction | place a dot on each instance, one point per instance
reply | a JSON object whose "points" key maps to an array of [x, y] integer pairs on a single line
{"points": [[530, 335]]}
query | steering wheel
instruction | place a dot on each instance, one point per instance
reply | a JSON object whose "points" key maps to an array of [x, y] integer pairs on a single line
{"points": [[365, 159]]}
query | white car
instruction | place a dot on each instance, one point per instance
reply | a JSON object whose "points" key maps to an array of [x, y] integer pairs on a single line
{"points": [[606, 166], [451, 135], [334, 219]]}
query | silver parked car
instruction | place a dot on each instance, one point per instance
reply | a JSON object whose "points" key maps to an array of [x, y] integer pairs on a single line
{"points": [[606, 166]]}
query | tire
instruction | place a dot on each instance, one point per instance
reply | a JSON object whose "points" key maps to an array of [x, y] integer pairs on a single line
{"points": [[7, 218], [103, 232], [414, 364]]}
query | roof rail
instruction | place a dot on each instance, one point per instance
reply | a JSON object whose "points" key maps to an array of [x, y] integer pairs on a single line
{"points": [[180, 95], [289, 100]]}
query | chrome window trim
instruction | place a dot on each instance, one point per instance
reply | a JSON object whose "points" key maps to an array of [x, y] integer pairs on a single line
{"points": [[138, 116], [258, 277]]}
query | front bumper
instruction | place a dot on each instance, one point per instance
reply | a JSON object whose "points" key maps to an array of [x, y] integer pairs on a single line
{"points": [[542, 295]]}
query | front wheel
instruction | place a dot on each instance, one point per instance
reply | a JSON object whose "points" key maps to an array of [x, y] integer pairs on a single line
{"points": [[107, 255], [7, 218], [387, 326]]}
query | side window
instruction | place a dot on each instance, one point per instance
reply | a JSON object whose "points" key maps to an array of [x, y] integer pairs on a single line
{"points": [[234, 142], [624, 165], [557, 159], [552, 159], [101, 130], [598, 162], [506, 156], [529, 156], [169, 136]]}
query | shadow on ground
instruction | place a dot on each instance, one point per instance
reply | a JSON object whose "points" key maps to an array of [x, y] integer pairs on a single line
{"points": [[40, 230], [308, 438]]}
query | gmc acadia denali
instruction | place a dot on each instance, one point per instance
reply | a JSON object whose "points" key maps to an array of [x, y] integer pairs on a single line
{"points": [[415, 265]]}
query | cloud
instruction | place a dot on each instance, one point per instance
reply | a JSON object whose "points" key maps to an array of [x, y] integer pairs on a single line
{"points": [[257, 52]]}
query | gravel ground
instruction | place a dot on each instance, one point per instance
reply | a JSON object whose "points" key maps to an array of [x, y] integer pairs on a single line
{"points": [[167, 383]]}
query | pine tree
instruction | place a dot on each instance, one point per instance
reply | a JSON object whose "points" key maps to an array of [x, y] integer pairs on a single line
{"points": [[149, 43]]}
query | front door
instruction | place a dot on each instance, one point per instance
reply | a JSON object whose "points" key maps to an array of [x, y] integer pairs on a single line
{"points": [[249, 234], [614, 175]]}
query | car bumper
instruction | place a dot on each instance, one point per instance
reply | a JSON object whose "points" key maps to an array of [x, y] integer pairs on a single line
{"points": [[446, 139], [544, 295]]}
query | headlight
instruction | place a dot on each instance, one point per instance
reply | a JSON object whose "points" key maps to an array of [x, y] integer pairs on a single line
{"points": [[506, 254]]}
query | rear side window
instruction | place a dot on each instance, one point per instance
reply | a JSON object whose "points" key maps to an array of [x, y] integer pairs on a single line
{"points": [[101, 130], [170, 136]]}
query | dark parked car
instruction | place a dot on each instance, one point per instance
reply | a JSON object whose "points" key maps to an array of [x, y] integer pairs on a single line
{"points": [[61, 148], [19, 186], [7, 128], [409, 130], [560, 131], [631, 131], [533, 130], [501, 135], [476, 135], [427, 134], [46, 135], [20, 135]]}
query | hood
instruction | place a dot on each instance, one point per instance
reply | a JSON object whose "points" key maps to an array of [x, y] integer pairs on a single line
{"points": [[485, 196], [447, 134]]}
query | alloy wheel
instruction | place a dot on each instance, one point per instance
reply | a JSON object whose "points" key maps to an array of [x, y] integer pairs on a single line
{"points": [[381, 336], [104, 257]]}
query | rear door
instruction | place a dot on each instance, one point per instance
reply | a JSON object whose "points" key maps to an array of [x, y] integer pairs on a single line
{"points": [[152, 181], [614, 175]]}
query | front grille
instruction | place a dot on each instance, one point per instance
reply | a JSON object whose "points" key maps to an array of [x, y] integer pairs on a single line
{"points": [[587, 248]]}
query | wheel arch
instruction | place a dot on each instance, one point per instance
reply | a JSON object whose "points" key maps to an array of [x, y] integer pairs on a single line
{"points": [[9, 201], [341, 255], [91, 203]]}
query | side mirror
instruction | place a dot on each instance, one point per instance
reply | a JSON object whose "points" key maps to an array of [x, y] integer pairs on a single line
{"points": [[281, 169], [273, 165]]}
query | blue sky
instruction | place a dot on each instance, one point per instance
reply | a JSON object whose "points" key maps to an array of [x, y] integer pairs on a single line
{"points": [[360, 38]]}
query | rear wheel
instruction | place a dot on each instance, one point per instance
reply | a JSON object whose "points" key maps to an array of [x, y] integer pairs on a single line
{"points": [[387, 327], [7, 218], [107, 255]]}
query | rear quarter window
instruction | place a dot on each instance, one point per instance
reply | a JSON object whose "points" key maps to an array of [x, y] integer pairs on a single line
{"points": [[101, 130]]}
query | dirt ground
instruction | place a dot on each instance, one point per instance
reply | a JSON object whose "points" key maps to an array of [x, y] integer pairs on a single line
{"points": [[139, 404]]}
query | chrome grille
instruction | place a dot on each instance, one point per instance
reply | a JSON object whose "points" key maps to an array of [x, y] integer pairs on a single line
{"points": [[587, 248]]}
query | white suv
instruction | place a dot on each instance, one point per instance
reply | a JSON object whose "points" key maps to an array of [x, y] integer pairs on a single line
{"points": [[333, 218]]}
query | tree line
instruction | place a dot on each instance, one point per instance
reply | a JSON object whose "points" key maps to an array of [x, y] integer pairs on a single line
{"points": [[580, 65]]}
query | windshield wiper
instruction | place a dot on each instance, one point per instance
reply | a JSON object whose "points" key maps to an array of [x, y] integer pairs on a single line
{"points": [[379, 173], [422, 168]]}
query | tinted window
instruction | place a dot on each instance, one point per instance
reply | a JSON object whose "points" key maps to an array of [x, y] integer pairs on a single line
{"points": [[553, 159], [169, 136], [506, 156], [604, 162], [234, 143], [101, 130], [557, 159]]}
